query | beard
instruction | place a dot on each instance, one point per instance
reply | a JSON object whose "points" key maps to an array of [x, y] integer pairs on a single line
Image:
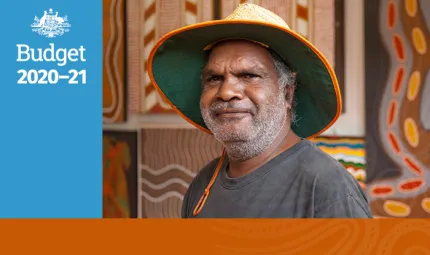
{"points": [[247, 137]]}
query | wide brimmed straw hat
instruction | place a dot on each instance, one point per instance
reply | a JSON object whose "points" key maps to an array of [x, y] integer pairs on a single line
{"points": [[176, 61]]}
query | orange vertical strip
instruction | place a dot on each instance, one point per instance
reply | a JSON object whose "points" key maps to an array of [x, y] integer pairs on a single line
{"points": [[302, 12]]}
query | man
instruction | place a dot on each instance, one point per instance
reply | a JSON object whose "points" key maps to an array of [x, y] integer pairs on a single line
{"points": [[262, 91]]}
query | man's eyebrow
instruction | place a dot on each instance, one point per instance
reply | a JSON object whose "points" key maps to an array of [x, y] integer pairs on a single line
{"points": [[255, 68], [208, 71], [242, 69]]}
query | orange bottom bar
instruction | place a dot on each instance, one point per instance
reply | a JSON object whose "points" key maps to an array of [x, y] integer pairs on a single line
{"points": [[149, 236]]}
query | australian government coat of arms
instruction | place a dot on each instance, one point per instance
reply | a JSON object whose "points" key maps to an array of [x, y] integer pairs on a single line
{"points": [[50, 24]]}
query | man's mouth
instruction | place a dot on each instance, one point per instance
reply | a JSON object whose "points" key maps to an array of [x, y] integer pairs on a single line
{"points": [[233, 113]]}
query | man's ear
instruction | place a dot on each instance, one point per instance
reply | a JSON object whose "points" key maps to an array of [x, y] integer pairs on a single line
{"points": [[289, 93]]}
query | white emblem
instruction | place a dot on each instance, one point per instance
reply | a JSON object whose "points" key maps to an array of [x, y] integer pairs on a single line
{"points": [[50, 25]]}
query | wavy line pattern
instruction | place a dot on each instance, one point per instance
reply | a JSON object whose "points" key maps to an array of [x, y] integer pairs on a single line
{"points": [[350, 152], [114, 61], [170, 160], [166, 184], [168, 169], [190, 148]]}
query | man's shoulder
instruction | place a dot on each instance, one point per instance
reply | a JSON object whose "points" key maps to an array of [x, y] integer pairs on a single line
{"points": [[315, 162], [328, 176], [331, 181]]}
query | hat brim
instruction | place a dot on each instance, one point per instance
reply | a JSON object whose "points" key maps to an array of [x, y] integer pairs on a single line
{"points": [[176, 61]]}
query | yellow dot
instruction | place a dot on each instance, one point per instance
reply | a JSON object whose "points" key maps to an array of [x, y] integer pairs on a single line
{"points": [[411, 132], [411, 7], [396, 209], [419, 40], [425, 203], [414, 85]]}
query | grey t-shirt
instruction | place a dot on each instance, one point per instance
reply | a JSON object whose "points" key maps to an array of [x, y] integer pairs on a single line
{"points": [[301, 182]]}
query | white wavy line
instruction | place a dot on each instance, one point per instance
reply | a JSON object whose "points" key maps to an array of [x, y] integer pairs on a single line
{"points": [[357, 173], [116, 71], [163, 197], [165, 184], [167, 169], [353, 159], [107, 61]]}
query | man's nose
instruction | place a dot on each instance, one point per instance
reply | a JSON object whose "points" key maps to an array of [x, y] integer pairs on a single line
{"points": [[230, 89]]}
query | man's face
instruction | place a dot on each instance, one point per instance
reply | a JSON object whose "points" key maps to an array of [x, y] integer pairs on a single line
{"points": [[241, 101]]}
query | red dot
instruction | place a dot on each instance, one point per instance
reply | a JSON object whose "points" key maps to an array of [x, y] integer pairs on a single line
{"points": [[394, 142], [411, 185], [400, 75], [398, 46], [382, 190], [391, 112], [391, 15], [412, 166]]}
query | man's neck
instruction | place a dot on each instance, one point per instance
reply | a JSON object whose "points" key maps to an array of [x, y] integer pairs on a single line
{"points": [[285, 140]]}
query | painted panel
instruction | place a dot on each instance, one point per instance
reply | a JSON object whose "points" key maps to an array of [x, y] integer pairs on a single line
{"points": [[398, 141], [114, 57], [120, 174]]}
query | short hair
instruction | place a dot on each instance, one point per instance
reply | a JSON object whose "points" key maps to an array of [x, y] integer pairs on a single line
{"points": [[286, 80]]}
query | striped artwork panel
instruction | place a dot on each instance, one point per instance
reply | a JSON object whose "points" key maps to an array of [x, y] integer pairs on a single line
{"points": [[134, 61], [350, 152], [114, 52], [149, 35], [159, 18], [190, 12], [302, 13]]}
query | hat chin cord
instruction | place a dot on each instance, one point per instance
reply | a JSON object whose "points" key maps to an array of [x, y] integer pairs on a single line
{"points": [[205, 195]]}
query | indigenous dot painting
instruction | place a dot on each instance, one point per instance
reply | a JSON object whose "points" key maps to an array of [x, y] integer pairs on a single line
{"points": [[397, 107]]}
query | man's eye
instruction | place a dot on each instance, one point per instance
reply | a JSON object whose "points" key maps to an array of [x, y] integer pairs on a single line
{"points": [[214, 78], [249, 75]]}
